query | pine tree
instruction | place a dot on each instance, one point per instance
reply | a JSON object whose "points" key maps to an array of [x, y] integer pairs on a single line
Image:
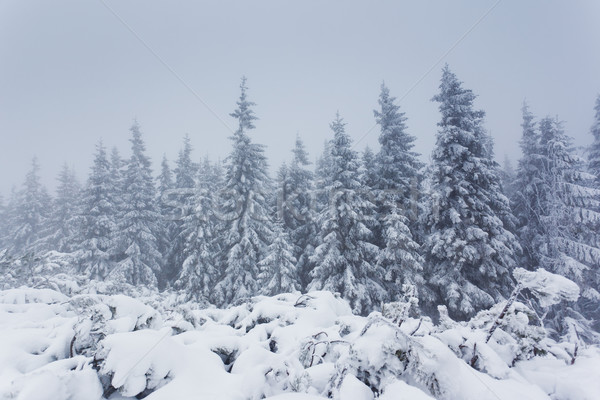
{"points": [[245, 210], [297, 209], [182, 200], [62, 226], [199, 228], [345, 261], [529, 193], [33, 209], [399, 258], [165, 208], [469, 252], [139, 228], [369, 169], [278, 272], [398, 177], [594, 151], [98, 220], [570, 223]]}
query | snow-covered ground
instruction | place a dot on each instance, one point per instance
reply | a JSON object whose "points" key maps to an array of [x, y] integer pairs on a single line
{"points": [[286, 347]]}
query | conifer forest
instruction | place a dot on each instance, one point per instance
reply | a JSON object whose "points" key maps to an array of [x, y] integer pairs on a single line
{"points": [[356, 273]]}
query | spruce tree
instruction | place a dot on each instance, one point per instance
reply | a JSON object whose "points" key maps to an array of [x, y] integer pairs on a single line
{"points": [[469, 252], [244, 210], [399, 258], [594, 150], [97, 220], [297, 206], [345, 261], [62, 226], [398, 175], [32, 211], [278, 272], [571, 222], [139, 227], [199, 272], [181, 198], [530, 194], [165, 209]]}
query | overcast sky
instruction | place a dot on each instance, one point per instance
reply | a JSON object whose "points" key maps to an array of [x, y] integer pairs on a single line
{"points": [[71, 72]]}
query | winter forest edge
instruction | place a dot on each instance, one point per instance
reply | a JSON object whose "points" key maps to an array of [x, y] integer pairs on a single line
{"points": [[499, 266]]}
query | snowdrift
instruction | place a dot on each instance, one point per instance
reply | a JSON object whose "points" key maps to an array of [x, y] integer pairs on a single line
{"points": [[286, 347]]}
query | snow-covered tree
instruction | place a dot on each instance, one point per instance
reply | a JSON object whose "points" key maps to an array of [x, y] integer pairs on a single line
{"points": [[97, 220], [199, 271], [297, 209], [181, 199], [278, 272], [345, 261], [397, 178], [570, 222], [139, 227], [594, 150], [165, 209], [469, 252], [31, 213], [62, 226], [369, 169], [529, 192], [399, 258], [244, 210]]}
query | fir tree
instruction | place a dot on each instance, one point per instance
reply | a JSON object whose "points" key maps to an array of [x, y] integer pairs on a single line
{"points": [[529, 194], [594, 150], [97, 220], [278, 272], [165, 208], [345, 261], [469, 252], [139, 227], [62, 227], [245, 210], [369, 169], [570, 222], [181, 199], [33, 209], [399, 259], [199, 228], [397, 177], [298, 210]]}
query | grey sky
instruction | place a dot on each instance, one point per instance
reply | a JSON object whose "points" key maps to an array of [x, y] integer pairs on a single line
{"points": [[71, 73]]}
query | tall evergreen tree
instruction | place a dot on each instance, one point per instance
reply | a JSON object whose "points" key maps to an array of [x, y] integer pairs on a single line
{"points": [[469, 252], [399, 258], [244, 210], [98, 220], [139, 228], [398, 177], [165, 209], [297, 210], [199, 271], [62, 226], [345, 261], [530, 194], [571, 222], [278, 272], [33, 209], [182, 200], [396, 182], [594, 151]]}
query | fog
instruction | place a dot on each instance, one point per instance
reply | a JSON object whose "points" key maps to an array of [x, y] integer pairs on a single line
{"points": [[74, 72]]}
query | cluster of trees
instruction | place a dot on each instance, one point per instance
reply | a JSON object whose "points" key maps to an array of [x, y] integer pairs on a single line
{"points": [[369, 226]]}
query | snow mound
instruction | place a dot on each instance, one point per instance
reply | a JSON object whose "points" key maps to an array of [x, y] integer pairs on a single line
{"points": [[285, 347]]}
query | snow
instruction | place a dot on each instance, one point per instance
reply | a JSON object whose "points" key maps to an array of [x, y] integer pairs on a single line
{"points": [[285, 347]]}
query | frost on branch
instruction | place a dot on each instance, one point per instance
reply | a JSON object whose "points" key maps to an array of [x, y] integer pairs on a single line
{"points": [[547, 287]]}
